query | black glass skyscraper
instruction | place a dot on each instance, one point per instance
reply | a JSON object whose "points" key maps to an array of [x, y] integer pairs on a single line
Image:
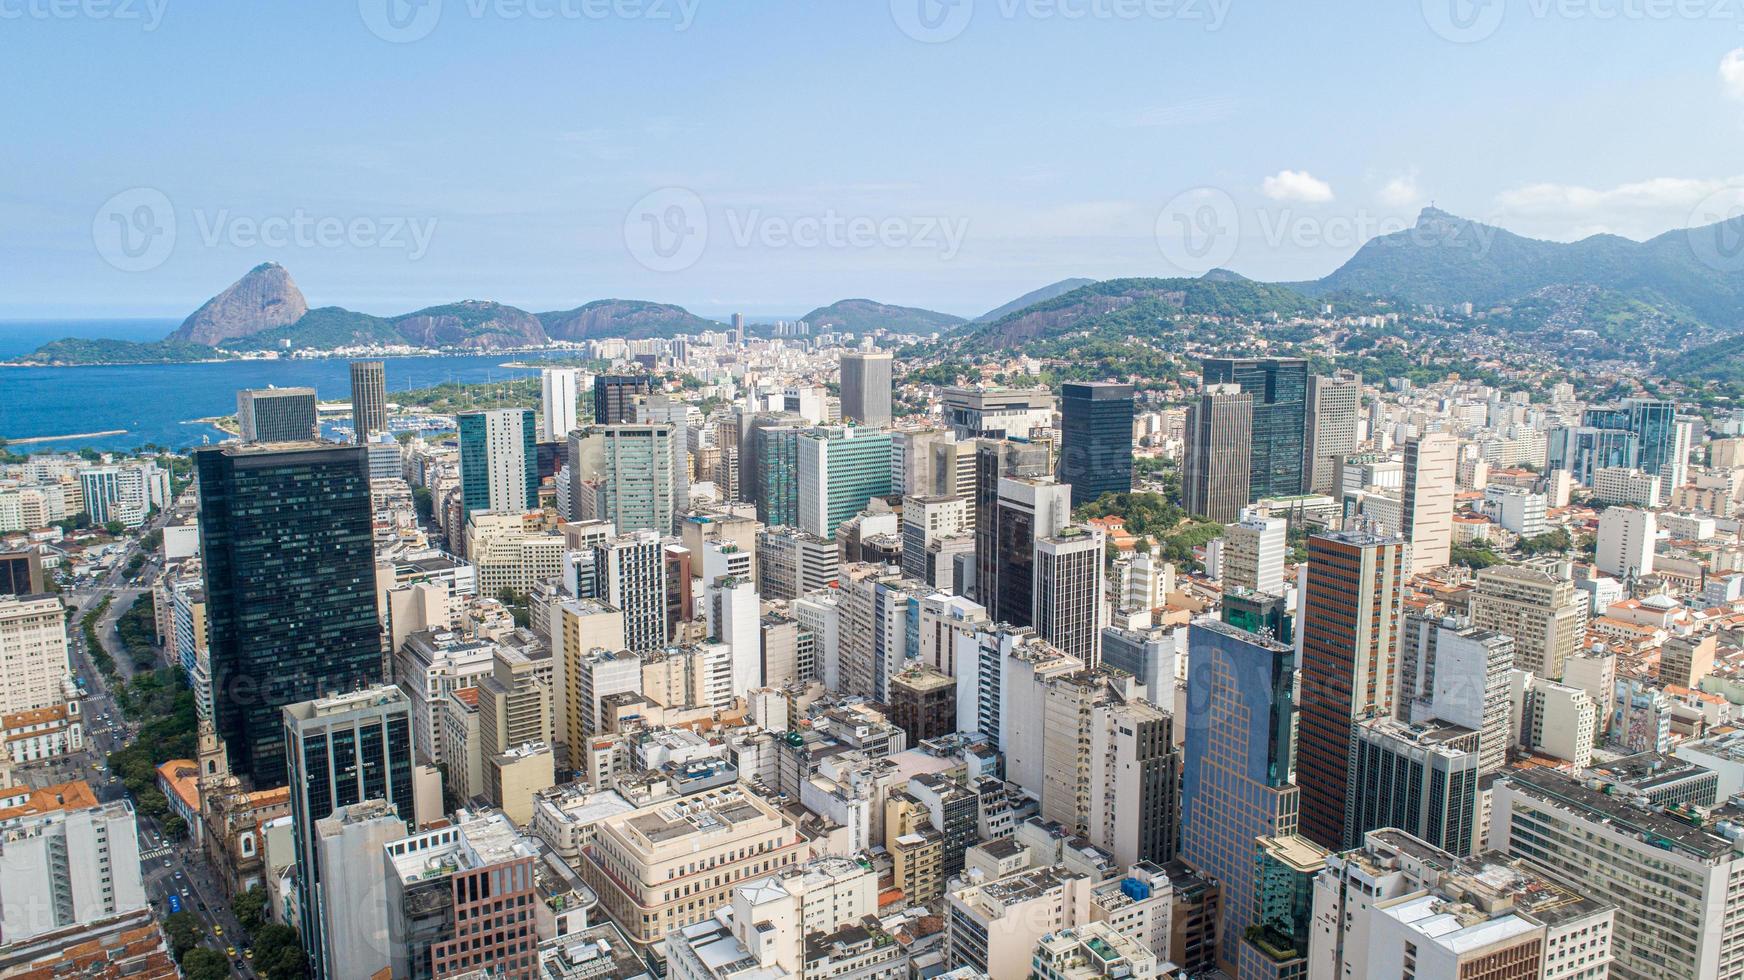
{"points": [[1279, 386], [614, 396], [1095, 439], [285, 535]]}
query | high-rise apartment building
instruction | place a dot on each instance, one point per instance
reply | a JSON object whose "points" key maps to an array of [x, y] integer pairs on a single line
{"points": [[1217, 472], [840, 470], [369, 399], [1626, 543], [1352, 609], [866, 381], [277, 415], [1430, 468], [286, 539], [1236, 765], [559, 400], [1544, 613], [1334, 405], [499, 461], [1279, 386], [1068, 584], [33, 650], [341, 751], [614, 396], [1096, 439]]}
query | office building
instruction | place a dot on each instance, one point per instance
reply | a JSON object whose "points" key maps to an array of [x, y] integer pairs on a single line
{"points": [[430, 665], [1254, 549], [21, 572], [1350, 645], [1660, 440], [634, 472], [1068, 584], [1235, 772], [1626, 543], [792, 563], [499, 461], [1334, 403], [998, 413], [1110, 771], [994, 927], [1428, 500], [928, 523], [1544, 613], [866, 385], [509, 554], [632, 579], [1279, 388], [1096, 439], [614, 397], [1680, 912], [369, 399], [277, 415], [840, 470], [66, 860], [1625, 486], [461, 900], [559, 398], [341, 751], [345, 911], [1458, 674], [1420, 778], [923, 703], [771, 463], [1217, 470], [33, 648], [875, 610], [1025, 512], [995, 461], [289, 562]]}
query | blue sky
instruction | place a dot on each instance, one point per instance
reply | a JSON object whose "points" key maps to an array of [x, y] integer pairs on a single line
{"points": [[771, 156]]}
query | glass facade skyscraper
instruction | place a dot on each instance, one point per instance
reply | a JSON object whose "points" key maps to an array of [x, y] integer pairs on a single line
{"points": [[1279, 386], [286, 538], [1096, 439], [499, 461]]}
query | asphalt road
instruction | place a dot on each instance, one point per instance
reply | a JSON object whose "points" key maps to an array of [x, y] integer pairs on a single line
{"points": [[168, 868]]}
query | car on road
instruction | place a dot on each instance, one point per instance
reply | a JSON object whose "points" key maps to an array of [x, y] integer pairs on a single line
{"points": [[230, 951]]}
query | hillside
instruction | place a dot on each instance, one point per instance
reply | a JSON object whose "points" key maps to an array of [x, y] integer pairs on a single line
{"points": [[633, 319], [471, 324], [1033, 297], [864, 316], [261, 300], [1447, 260], [74, 351], [323, 329], [1121, 307]]}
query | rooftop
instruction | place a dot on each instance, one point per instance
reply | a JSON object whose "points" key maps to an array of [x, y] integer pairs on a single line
{"points": [[1625, 814]]}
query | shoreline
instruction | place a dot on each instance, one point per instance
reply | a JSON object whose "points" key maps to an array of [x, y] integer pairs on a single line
{"points": [[35, 440], [308, 356]]}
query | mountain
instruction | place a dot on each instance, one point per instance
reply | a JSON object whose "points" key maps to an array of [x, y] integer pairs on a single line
{"points": [[323, 329], [1123, 307], [472, 324], [1445, 260], [630, 318], [1029, 299], [865, 316], [73, 351], [264, 298]]}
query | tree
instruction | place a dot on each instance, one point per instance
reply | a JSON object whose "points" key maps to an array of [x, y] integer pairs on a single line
{"points": [[183, 931], [278, 953], [114, 529], [202, 963], [250, 909], [175, 827]]}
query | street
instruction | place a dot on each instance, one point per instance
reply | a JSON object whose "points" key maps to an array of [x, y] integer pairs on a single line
{"points": [[168, 868]]}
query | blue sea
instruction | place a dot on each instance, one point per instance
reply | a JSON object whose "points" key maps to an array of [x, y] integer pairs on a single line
{"points": [[161, 403]]}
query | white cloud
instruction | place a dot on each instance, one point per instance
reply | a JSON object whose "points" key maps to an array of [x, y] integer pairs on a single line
{"points": [[1639, 210], [1297, 185], [1402, 191], [1732, 73]]}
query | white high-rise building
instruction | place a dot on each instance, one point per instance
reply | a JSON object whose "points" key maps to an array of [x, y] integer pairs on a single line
{"points": [[559, 390], [33, 653], [1430, 469], [65, 860], [1253, 553], [1625, 547], [733, 619], [1069, 586]]}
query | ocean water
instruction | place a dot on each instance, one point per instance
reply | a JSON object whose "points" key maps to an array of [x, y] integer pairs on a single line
{"points": [[161, 403]]}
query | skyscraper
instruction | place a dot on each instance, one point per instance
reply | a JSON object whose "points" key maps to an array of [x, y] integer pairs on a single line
{"points": [[614, 396], [631, 571], [499, 461], [1279, 386], [341, 751], [1069, 583], [1219, 429], [286, 538], [1025, 511], [866, 377], [840, 470], [369, 399], [1235, 785], [1095, 439], [1253, 553], [1350, 645], [633, 468], [277, 415], [1334, 403], [1661, 443], [996, 459], [1430, 468], [559, 390], [1545, 614]]}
